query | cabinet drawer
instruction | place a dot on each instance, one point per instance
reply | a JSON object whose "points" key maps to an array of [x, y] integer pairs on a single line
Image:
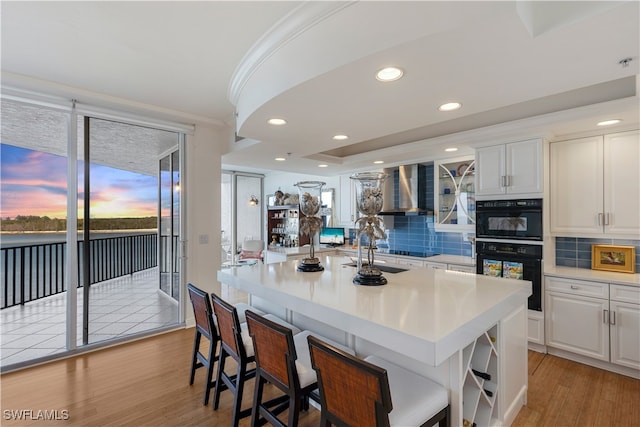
{"points": [[435, 265], [463, 268], [381, 258], [577, 287], [630, 294], [411, 262]]}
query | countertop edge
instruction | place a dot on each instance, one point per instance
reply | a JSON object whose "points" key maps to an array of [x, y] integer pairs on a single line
{"points": [[593, 275]]}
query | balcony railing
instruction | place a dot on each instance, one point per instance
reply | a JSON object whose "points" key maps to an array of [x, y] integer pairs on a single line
{"points": [[36, 271]]}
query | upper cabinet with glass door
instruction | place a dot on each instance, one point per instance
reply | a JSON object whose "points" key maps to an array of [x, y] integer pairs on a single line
{"points": [[455, 202]]}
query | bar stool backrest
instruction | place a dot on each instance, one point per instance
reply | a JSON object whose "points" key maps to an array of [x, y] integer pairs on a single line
{"points": [[274, 350], [228, 326], [353, 392], [202, 311]]}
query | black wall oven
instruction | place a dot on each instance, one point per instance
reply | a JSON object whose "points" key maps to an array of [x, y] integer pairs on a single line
{"points": [[515, 261], [509, 242], [509, 219]]}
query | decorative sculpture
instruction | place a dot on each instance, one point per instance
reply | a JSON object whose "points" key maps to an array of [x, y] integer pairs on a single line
{"points": [[310, 194], [369, 201]]}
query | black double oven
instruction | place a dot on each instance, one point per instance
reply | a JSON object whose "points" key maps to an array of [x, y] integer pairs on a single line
{"points": [[509, 242]]}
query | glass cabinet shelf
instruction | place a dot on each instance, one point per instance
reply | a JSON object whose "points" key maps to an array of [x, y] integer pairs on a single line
{"points": [[455, 203]]}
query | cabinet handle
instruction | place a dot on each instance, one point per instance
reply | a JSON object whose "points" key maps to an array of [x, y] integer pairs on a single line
{"points": [[599, 218], [605, 316], [606, 218], [508, 180], [574, 287], [612, 320]]}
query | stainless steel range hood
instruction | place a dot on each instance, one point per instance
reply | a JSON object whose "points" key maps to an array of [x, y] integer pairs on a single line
{"points": [[409, 181]]}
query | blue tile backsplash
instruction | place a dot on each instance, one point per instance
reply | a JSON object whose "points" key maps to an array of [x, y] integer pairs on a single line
{"points": [[576, 251], [416, 235]]}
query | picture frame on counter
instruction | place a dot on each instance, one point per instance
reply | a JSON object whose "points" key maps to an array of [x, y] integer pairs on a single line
{"points": [[621, 259]]}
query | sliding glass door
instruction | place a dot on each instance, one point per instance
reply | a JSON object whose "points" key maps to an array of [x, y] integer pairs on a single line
{"points": [[169, 231], [90, 230], [123, 237]]}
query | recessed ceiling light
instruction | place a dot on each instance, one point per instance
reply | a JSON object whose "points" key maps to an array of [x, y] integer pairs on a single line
{"points": [[340, 137], [450, 106], [323, 166], [280, 159], [389, 74], [378, 162], [277, 122], [608, 122], [450, 149]]}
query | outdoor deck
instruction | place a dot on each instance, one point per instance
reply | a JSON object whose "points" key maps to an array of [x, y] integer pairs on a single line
{"points": [[117, 308]]}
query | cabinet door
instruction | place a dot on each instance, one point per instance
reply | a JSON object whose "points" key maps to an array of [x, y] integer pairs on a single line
{"points": [[622, 184], [347, 199], [576, 191], [578, 324], [625, 334], [524, 167], [455, 202], [490, 169]]}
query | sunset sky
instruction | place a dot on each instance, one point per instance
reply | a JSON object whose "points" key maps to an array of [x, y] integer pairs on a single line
{"points": [[35, 183]]}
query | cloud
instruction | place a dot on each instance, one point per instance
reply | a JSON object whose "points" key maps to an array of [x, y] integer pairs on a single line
{"points": [[35, 183]]}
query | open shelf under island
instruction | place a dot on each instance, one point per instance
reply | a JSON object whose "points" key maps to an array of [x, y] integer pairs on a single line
{"points": [[446, 325]]}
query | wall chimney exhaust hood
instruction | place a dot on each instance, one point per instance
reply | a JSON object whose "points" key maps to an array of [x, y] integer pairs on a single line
{"points": [[405, 191]]}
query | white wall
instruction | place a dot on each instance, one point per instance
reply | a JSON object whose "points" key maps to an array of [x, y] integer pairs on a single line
{"points": [[285, 182]]}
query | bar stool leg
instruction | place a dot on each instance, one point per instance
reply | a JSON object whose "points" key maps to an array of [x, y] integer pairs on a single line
{"points": [[211, 358], [194, 358], [219, 383]]}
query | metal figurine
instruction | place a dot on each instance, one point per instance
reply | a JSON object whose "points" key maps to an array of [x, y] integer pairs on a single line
{"points": [[310, 194], [369, 202]]}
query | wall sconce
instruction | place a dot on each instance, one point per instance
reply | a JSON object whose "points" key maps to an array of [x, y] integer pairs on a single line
{"points": [[253, 200]]}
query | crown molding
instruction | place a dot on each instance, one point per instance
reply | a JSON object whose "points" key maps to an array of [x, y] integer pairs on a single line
{"points": [[299, 20]]}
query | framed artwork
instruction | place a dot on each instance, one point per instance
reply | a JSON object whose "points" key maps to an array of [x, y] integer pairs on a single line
{"points": [[613, 258]]}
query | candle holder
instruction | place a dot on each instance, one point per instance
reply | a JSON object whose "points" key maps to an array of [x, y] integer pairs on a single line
{"points": [[369, 202], [310, 194]]}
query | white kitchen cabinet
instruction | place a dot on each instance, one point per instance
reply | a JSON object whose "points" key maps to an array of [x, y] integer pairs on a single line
{"points": [[510, 169], [625, 325], [575, 322], [455, 202], [595, 186], [347, 209], [594, 319]]}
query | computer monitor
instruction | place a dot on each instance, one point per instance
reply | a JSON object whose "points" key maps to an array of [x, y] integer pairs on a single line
{"points": [[332, 236]]}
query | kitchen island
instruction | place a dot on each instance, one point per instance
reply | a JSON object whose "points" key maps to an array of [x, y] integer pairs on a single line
{"points": [[441, 324]]}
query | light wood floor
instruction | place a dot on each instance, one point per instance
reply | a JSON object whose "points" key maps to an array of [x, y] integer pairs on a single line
{"points": [[145, 383]]}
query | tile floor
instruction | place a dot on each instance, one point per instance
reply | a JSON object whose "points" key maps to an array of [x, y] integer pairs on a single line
{"points": [[117, 308]]}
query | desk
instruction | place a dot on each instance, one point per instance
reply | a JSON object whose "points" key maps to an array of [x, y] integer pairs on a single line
{"points": [[432, 317]]}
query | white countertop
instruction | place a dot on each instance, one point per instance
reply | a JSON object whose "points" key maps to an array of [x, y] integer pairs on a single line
{"points": [[597, 275], [427, 314]]}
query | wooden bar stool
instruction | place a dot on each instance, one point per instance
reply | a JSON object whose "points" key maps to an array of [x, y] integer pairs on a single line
{"points": [[356, 392], [205, 327], [276, 355], [236, 343]]}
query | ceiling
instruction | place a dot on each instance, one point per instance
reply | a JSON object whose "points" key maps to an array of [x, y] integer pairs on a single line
{"points": [[518, 68]]}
